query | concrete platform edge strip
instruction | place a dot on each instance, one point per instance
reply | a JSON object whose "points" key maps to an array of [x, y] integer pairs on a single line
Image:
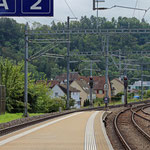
{"points": [[90, 142], [104, 131], [35, 129]]}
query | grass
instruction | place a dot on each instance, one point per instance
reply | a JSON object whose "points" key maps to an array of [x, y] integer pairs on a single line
{"points": [[120, 102], [9, 117]]}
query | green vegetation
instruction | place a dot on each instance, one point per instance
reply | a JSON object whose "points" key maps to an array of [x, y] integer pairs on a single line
{"points": [[43, 68], [9, 117], [12, 42], [39, 100], [116, 100]]}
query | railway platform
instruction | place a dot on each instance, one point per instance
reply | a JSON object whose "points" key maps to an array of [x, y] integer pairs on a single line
{"points": [[77, 131]]}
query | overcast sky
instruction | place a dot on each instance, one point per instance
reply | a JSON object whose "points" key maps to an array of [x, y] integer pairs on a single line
{"points": [[84, 7]]}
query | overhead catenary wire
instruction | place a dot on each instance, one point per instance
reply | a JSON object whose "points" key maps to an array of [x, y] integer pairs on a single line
{"points": [[146, 12], [126, 7], [70, 9], [135, 8], [40, 54]]}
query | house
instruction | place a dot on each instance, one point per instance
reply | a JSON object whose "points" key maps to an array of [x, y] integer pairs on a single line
{"points": [[84, 88], [98, 87], [61, 90], [137, 85], [52, 83], [117, 86], [99, 82]]}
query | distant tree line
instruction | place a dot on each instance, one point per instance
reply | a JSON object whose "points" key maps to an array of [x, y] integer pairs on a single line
{"points": [[12, 45]]}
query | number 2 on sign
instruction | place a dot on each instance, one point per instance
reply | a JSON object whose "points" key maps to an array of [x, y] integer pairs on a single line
{"points": [[35, 6]]}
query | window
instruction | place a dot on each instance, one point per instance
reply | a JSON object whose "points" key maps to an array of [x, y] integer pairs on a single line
{"points": [[100, 91], [56, 94], [78, 102]]}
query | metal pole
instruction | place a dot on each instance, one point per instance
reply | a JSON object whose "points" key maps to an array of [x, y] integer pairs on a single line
{"points": [[106, 74], [0, 77], [0, 74], [120, 61], [142, 93], [26, 72], [97, 16], [93, 4], [68, 60], [125, 96], [91, 71], [125, 88], [91, 100]]}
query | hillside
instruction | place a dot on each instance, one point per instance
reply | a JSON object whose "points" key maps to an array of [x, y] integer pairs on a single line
{"points": [[12, 46]]}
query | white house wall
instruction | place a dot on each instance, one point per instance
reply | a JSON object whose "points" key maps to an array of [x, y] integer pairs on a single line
{"points": [[56, 89], [76, 97], [83, 94]]}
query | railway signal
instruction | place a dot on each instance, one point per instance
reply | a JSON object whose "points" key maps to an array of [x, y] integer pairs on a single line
{"points": [[91, 82], [125, 82], [91, 87]]}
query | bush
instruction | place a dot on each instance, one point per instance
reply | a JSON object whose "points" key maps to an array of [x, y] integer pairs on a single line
{"points": [[117, 97], [147, 94], [98, 101], [71, 102], [40, 99], [12, 77], [55, 103], [86, 103]]}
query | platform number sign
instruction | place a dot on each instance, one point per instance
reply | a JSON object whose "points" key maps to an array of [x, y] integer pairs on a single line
{"points": [[26, 7]]}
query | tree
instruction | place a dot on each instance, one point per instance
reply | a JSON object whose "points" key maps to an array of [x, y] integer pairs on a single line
{"points": [[13, 78]]}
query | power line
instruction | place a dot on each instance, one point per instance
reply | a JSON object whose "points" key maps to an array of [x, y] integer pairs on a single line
{"points": [[70, 9], [146, 12], [135, 7]]}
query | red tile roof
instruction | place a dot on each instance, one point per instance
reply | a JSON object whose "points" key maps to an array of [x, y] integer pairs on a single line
{"points": [[63, 77], [99, 81], [53, 83], [71, 89]]}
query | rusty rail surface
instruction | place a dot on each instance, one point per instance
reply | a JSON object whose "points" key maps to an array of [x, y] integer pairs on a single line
{"points": [[118, 132], [134, 113]]}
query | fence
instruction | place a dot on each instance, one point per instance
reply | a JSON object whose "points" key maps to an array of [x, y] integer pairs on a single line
{"points": [[2, 99]]}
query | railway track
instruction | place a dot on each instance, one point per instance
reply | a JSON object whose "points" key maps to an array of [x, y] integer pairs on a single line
{"points": [[129, 126], [145, 112]]}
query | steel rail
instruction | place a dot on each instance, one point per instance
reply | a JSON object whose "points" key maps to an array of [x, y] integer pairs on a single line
{"points": [[118, 132], [147, 136], [135, 113], [121, 138], [145, 111]]}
